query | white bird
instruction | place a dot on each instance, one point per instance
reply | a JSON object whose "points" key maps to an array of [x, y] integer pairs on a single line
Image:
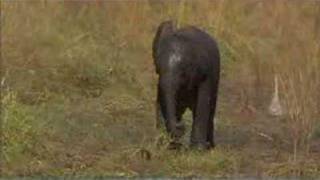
{"points": [[275, 107]]}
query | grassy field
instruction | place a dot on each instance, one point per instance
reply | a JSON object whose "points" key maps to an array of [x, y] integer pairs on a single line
{"points": [[78, 88]]}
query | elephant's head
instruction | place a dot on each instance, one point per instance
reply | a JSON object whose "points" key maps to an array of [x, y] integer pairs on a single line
{"points": [[165, 28]]}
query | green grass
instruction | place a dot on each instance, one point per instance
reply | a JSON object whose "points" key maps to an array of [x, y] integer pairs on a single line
{"points": [[20, 128]]}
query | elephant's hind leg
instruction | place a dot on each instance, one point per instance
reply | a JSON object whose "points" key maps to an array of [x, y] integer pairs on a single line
{"points": [[201, 121]]}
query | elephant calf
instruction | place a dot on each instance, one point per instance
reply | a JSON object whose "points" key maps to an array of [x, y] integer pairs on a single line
{"points": [[187, 61]]}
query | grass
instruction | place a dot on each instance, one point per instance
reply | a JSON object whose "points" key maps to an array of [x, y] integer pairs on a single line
{"points": [[78, 88]]}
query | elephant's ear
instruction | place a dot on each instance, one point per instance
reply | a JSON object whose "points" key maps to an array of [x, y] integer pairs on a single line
{"points": [[164, 29]]}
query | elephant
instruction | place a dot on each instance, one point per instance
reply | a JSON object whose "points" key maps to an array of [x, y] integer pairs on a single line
{"points": [[187, 62]]}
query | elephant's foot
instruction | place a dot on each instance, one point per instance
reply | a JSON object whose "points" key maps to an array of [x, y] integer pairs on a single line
{"points": [[212, 145], [176, 131], [180, 129], [174, 145], [201, 146]]}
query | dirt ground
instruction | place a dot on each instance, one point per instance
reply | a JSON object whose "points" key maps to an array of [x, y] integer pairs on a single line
{"points": [[100, 136]]}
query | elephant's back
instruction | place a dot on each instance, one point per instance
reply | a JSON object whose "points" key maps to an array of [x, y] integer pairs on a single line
{"points": [[189, 50]]}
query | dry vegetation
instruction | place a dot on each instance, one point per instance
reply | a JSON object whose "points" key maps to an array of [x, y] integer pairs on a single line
{"points": [[78, 88]]}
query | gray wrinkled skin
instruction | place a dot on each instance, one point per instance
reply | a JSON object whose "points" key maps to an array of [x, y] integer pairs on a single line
{"points": [[187, 61]]}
